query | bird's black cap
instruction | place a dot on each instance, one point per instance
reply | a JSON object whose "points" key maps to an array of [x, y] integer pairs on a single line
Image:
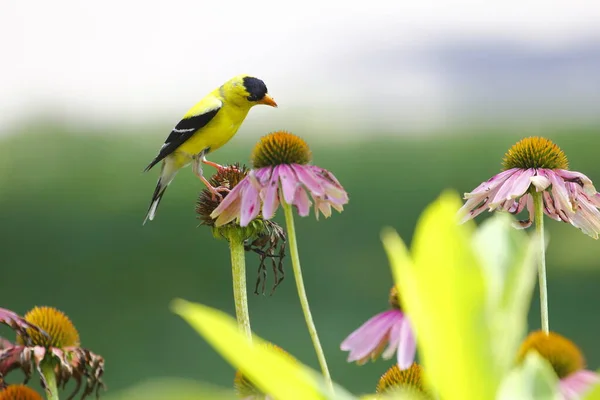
{"points": [[255, 87]]}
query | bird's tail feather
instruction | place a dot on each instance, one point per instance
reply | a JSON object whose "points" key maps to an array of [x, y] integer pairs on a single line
{"points": [[166, 176]]}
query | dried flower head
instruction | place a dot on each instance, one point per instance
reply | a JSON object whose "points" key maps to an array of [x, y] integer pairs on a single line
{"points": [[391, 328], [565, 358], [281, 174], [537, 165], [246, 389], [61, 348], [396, 378], [19, 392]]}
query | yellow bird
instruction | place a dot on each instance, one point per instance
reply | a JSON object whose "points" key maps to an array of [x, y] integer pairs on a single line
{"points": [[208, 125]]}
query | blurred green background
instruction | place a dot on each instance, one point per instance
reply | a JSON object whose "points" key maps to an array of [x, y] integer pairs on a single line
{"points": [[71, 210]]}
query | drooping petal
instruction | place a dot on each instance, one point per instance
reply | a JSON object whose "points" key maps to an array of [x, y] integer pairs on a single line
{"points": [[560, 193], [250, 205], [407, 346], [289, 183], [302, 202], [308, 179], [492, 183], [576, 385], [270, 191], [515, 186], [577, 177], [369, 336], [231, 197]]}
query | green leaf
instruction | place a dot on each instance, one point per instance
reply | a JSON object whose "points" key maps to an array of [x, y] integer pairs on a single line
{"points": [[443, 291], [508, 261], [171, 388], [533, 379], [272, 372]]}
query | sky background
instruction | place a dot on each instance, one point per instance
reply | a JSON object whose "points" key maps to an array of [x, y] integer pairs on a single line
{"points": [[400, 66]]}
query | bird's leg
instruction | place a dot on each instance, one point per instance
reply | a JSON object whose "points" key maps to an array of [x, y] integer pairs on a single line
{"points": [[212, 164], [197, 168]]}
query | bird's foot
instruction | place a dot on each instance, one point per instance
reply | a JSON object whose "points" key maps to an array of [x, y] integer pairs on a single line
{"points": [[216, 192]]}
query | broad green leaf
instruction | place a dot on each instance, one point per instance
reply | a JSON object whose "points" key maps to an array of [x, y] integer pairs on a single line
{"points": [[594, 393], [444, 293], [534, 379], [272, 372], [171, 388], [508, 261]]}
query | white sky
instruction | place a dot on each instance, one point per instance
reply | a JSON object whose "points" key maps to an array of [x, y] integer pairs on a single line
{"points": [[145, 60]]}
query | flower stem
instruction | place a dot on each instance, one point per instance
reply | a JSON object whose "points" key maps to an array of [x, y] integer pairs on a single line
{"points": [[312, 330], [538, 205], [47, 368], [238, 271]]}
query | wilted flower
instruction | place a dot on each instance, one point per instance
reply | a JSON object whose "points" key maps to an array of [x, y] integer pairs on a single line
{"points": [[265, 238], [281, 173], [566, 360], [60, 347], [410, 379], [536, 164], [19, 392], [390, 327], [246, 389]]}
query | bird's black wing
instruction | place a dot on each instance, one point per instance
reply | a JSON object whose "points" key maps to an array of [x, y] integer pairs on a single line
{"points": [[182, 132]]}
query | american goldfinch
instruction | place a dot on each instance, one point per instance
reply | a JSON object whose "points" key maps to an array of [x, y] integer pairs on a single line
{"points": [[208, 125]]}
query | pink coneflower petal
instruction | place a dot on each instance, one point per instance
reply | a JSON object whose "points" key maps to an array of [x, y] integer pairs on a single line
{"points": [[250, 205], [559, 192], [302, 202], [289, 183], [271, 200], [491, 184], [577, 384], [230, 198], [574, 176], [230, 213], [394, 339], [515, 186], [407, 345], [309, 179], [370, 335]]}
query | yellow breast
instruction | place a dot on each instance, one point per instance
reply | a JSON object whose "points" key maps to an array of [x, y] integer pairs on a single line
{"points": [[216, 133]]}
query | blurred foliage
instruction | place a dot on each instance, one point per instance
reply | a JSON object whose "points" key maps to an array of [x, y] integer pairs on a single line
{"points": [[72, 204]]}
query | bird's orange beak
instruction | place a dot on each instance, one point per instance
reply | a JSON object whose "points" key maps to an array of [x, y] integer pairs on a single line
{"points": [[267, 100]]}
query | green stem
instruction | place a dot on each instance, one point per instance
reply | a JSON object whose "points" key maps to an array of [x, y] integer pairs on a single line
{"points": [[538, 205], [238, 270], [291, 231], [47, 368]]}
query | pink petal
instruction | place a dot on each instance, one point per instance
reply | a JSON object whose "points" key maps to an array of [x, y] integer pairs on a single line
{"points": [[492, 183], [302, 202], [308, 179], [394, 339], [230, 213], [407, 345], [560, 193], [369, 336], [289, 183], [271, 200], [232, 196], [250, 205], [576, 385], [514, 187], [574, 176]]}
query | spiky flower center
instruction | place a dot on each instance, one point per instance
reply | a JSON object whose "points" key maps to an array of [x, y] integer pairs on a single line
{"points": [[228, 177], [280, 148], [19, 392], [564, 356], [394, 300], [59, 327], [535, 152], [245, 388], [395, 378]]}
